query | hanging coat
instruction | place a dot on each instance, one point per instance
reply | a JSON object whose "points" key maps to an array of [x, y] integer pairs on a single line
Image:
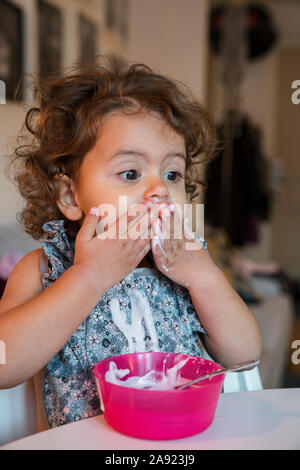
{"points": [[249, 198]]}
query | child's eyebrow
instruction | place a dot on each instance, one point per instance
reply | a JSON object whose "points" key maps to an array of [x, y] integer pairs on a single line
{"points": [[122, 152]]}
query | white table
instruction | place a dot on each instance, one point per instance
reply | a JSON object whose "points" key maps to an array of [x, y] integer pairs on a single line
{"points": [[266, 419]]}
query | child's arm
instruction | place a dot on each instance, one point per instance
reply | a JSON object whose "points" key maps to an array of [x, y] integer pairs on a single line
{"points": [[233, 335], [35, 324]]}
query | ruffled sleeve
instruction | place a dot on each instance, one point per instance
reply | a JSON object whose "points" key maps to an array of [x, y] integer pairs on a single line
{"points": [[58, 251]]}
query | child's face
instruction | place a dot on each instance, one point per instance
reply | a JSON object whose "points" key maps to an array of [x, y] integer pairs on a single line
{"points": [[137, 156]]}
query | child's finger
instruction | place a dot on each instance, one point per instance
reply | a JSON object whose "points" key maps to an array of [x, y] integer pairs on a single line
{"points": [[160, 260], [89, 225], [136, 212], [157, 239], [164, 213], [119, 227], [143, 251], [144, 236], [144, 231], [131, 217], [165, 216], [139, 226]]}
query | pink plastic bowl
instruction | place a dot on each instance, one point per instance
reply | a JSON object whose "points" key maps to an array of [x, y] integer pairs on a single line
{"points": [[159, 414]]}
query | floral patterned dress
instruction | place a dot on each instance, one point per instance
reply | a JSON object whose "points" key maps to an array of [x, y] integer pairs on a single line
{"points": [[146, 311]]}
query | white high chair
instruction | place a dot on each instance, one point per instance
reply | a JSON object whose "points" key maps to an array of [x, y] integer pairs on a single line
{"points": [[238, 381], [17, 412]]}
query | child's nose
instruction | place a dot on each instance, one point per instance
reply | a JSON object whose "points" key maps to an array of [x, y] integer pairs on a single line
{"points": [[157, 192]]}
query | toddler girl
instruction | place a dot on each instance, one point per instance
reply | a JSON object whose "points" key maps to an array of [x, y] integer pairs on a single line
{"points": [[100, 134]]}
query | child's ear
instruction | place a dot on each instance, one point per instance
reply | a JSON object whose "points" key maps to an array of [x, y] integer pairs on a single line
{"points": [[67, 201]]}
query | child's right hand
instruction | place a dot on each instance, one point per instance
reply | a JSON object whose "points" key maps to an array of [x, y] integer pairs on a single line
{"points": [[107, 261]]}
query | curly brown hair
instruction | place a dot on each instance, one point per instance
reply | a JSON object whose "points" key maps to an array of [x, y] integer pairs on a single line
{"points": [[65, 124]]}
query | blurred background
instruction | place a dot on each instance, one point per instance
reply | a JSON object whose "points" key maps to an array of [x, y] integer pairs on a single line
{"points": [[242, 60]]}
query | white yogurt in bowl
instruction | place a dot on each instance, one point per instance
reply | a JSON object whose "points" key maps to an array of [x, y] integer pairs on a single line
{"points": [[152, 380]]}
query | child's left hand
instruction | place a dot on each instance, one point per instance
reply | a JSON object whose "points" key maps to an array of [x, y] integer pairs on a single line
{"points": [[172, 251]]}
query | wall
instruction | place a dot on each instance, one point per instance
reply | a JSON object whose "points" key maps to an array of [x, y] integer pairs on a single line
{"points": [[170, 35], [261, 101], [286, 219], [12, 115], [11, 119]]}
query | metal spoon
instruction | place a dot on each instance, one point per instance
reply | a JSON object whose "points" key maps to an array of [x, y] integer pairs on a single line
{"points": [[236, 368]]}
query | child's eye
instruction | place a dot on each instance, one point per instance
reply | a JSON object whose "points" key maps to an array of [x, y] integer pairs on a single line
{"points": [[178, 176], [132, 172]]}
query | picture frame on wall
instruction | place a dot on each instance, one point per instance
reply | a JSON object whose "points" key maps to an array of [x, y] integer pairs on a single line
{"points": [[117, 15], [50, 39], [111, 14], [11, 49], [124, 19], [88, 39]]}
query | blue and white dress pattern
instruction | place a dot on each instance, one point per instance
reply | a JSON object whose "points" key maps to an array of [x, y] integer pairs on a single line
{"points": [[146, 311]]}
